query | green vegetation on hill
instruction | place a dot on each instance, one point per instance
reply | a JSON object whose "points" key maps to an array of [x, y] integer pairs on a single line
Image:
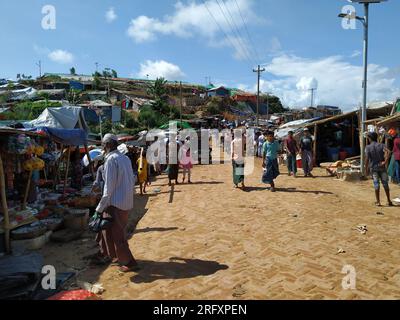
{"points": [[29, 110]]}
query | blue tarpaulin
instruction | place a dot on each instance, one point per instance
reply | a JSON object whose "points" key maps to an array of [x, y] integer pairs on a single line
{"points": [[69, 137]]}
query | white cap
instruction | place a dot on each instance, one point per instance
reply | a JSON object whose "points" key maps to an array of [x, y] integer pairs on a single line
{"points": [[110, 137]]}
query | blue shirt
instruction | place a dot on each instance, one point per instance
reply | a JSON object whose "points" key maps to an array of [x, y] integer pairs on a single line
{"points": [[271, 149]]}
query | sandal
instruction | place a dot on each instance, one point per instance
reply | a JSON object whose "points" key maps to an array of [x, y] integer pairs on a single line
{"points": [[126, 269]]}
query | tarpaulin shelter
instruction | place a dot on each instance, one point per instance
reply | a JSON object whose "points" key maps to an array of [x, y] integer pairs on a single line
{"points": [[67, 117], [68, 137]]}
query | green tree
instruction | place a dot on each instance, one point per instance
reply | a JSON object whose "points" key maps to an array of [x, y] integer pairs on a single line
{"points": [[114, 73], [149, 119], [159, 93], [73, 96], [275, 104], [72, 71], [96, 81]]}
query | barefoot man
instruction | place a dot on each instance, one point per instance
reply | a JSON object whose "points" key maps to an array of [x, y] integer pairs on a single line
{"points": [[377, 158]]}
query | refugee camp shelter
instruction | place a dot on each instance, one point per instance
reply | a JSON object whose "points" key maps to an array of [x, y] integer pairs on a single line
{"points": [[218, 92], [335, 137], [338, 137], [67, 117]]}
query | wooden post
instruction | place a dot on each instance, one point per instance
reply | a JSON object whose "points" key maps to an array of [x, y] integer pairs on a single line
{"points": [[57, 173], [352, 132], [23, 207], [5, 207], [90, 161], [315, 144], [66, 171]]}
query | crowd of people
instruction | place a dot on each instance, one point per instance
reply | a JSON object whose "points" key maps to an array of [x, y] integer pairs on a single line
{"points": [[117, 175]]}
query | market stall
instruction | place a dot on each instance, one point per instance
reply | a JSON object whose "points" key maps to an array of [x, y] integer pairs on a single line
{"points": [[32, 207]]}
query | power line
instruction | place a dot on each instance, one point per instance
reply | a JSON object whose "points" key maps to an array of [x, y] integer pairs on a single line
{"points": [[247, 31], [235, 30], [219, 26], [259, 71]]}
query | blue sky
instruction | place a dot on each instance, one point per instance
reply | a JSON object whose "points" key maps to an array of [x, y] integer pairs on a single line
{"points": [[301, 42]]}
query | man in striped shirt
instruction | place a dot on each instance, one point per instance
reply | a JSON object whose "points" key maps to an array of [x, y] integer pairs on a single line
{"points": [[117, 200]]}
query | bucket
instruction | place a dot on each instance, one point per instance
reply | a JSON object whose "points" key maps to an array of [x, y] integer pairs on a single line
{"points": [[77, 219], [299, 163]]}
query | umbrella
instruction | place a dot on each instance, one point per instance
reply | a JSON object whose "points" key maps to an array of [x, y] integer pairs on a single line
{"points": [[95, 154]]}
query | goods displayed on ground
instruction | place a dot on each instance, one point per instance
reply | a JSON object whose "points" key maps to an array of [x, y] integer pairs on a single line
{"points": [[34, 208], [344, 170]]}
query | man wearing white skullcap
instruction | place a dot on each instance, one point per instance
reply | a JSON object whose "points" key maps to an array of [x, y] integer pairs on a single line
{"points": [[117, 200]]}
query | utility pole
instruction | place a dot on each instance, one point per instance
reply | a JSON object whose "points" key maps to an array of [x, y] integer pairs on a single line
{"points": [[259, 70], [365, 87], [312, 96], [39, 64], [181, 101]]}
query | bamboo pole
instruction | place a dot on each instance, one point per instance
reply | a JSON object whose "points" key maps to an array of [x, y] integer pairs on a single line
{"points": [[28, 186], [57, 173], [66, 171], [315, 144], [5, 207]]}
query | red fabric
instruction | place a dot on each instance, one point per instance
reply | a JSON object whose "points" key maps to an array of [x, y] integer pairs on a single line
{"points": [[72, 295], [396, 149]]}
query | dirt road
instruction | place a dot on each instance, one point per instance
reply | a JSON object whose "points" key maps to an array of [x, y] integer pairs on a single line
{"points": [[209, 241]]}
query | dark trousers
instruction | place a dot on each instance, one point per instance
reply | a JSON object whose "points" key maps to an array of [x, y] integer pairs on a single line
{"points": [[113, 241]]}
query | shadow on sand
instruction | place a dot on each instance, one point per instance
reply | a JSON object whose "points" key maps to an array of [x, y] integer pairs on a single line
{"points": [[146, 230], [294, 190], [176, 268]]}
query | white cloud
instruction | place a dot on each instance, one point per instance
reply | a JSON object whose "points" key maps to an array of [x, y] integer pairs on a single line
{"points": [[338, 81], [160, 68], [111, 15], [61, 56], [194, 18]]}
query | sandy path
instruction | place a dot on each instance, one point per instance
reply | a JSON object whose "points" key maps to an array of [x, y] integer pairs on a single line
{"points": [[209, 241]]}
